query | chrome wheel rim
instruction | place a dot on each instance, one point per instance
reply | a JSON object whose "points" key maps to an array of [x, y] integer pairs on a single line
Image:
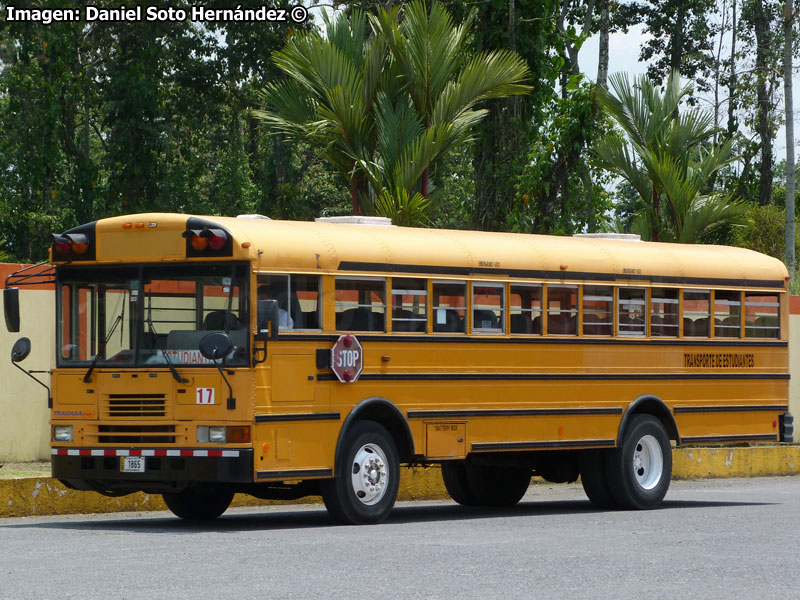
{"points": [[369, 475], [648, 462]]}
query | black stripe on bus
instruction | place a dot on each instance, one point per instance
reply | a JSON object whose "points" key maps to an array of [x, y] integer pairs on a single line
{"points": [[511, 412], [332, 416], [478, 447], [294, 474], [731, 408], [700, 439], [349, 265], [554, 376], [365, 336]]}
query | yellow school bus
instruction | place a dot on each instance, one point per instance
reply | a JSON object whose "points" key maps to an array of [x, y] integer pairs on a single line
{"points": [[201, 356]]}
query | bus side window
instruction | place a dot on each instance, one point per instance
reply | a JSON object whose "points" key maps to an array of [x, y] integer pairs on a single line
{"points": [[488, 314], [360, 304], [525, 305], [562, 310], [632, 311], [598, 311], [696, 313], [727, 313], [409, 305], [761, 315], [274, 287], [449, 306], [664, 312], [305, 295]]}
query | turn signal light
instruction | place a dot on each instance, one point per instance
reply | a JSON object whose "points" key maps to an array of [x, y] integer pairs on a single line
{"points": [[238, 435], [70, 245], [199, 243]]}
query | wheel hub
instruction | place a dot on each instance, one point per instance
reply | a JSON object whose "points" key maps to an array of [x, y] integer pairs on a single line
{"points": [[648, 462], [369, 474]]}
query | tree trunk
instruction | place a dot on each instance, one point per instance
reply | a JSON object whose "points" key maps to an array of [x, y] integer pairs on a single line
{"points": [[676, 43], [602, 54], [732, 80], [763, 41], [787, 94]]}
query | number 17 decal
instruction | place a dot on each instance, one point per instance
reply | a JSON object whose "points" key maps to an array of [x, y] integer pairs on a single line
{"points": [[205, 395]]}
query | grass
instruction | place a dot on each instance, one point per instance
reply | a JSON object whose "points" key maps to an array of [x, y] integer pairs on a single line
{"points": [[17, 470]]}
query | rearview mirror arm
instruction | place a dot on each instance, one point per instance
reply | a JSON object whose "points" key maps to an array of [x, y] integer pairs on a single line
{"points": [[28, 373]]}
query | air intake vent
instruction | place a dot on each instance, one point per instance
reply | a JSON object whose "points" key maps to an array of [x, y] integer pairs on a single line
{"points": [[136, 434], [134, 406]]}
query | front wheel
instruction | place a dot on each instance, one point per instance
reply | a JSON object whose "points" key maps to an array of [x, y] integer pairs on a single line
{"points": [[367, 478], [639, 471], [198, 505]]}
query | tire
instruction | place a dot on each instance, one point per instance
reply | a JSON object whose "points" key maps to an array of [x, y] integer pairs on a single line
{"points": [[594, 480], [198, 505], [367, 478], [454, 475], [639, 471], [472, 485]]}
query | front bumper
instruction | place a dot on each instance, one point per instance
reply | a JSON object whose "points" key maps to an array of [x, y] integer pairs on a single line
{"points": [[167, 471]]}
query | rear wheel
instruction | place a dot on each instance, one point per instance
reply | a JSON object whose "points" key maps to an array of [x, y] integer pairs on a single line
{"points": [[639, 471], [196, 504], [594, 480], [473, 485], [365, 487], [454, 475]]}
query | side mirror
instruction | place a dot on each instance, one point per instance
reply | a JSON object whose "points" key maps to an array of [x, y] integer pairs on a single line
{"points": [[11, 309], [21, 349], [268, 317], [215, 345]]}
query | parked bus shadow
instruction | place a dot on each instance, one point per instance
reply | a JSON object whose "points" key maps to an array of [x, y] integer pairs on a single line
{"points": [[307, 516]]}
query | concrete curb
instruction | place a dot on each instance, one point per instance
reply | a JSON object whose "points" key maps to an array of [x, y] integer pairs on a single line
{"points": [[46, 496]]}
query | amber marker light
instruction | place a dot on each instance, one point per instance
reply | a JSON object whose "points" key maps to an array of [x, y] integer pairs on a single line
{"points": [[199, 243], [139, 226], [80, 247], [245, 244], [238, 435], [127, 225]]}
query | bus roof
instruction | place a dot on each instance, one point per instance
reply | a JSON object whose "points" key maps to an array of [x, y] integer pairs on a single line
{"points": [[365, 249]]}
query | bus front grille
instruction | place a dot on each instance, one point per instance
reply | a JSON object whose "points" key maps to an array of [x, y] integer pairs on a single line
{"points": [[136, 434], [129, 406]]}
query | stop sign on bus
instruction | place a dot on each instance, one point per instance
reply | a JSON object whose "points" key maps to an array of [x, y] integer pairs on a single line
{"points": [[347, 358]]}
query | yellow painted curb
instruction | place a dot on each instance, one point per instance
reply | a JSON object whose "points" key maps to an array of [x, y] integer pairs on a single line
{"points": [[46, 496]]}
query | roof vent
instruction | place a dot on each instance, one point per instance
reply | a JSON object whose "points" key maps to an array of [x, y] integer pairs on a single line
{"points": [[253, 217], [357, 220], [625, 237]]}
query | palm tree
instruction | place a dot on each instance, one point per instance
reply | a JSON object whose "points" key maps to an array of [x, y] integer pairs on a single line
{"points": [[669, 158], [384, 107]]}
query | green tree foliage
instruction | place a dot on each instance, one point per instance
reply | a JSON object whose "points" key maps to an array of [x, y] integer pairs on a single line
{"points": [[668, 159], [384, 105]]}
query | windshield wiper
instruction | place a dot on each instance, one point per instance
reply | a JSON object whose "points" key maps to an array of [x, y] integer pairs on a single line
{"points": [[167, 359], [88, 377]]}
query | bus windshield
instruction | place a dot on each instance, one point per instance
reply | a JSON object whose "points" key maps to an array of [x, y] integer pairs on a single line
{"points": [[149, 315]]}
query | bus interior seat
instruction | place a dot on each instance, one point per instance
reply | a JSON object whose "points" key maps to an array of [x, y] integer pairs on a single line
{"points": [[359, 319], [537, 325], [484, 319], [521, 323], [221, 320], [452, 321]]}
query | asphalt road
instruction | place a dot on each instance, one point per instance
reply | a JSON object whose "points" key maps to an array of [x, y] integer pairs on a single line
{"points": [[710, 539]]}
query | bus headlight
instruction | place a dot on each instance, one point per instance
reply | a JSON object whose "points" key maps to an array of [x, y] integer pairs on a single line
{"points": [[216, 435], [62, 433]]}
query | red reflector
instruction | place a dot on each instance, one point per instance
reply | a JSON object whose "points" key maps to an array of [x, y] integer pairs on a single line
{"points": [[199, 243], [63, 247], [80, 247], [216, 242]]}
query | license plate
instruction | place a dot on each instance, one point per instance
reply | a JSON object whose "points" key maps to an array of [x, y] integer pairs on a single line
{"points": [[132, 464]]}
